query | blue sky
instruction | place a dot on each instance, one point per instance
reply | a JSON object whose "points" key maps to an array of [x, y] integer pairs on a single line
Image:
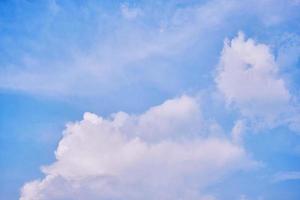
{"points": [[178, 99]]}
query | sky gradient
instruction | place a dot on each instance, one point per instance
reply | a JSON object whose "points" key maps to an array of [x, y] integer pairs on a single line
{"points": [[170, 100]]}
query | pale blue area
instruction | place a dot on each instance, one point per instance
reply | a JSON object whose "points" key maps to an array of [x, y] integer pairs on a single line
{"points": [[30, 129], [31, 123]]}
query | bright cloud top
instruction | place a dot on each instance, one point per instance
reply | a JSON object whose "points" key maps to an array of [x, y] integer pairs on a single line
{"points": [[160, 154], [248, 77]]}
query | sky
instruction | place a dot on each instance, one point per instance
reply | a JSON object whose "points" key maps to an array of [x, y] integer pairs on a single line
{"points": [[153, 100]]}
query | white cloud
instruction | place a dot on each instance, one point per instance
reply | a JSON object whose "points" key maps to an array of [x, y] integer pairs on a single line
{"points": [[160, 154], [130, 13], [237, 132], [249, 80], [111, 49], [118, 48], [286, 176]]}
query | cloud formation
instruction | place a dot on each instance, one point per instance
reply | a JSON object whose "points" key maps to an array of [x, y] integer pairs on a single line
{"points": [[160, 154], [110, 51], [130, 13], [110, 55], [249, 80], [248, 75], [106, 56], [286, 176]]}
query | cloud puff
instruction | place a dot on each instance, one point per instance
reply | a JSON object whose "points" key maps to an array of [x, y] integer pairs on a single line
{"points": [[249, 80], [160, 154]]}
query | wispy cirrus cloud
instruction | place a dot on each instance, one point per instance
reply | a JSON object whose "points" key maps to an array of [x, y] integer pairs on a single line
{"points": [[89, 51], [286, 176], [113, 49]]}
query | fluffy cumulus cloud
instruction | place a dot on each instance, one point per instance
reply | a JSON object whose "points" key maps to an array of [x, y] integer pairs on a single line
{"points": [[160, 154], [249, 80]]}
